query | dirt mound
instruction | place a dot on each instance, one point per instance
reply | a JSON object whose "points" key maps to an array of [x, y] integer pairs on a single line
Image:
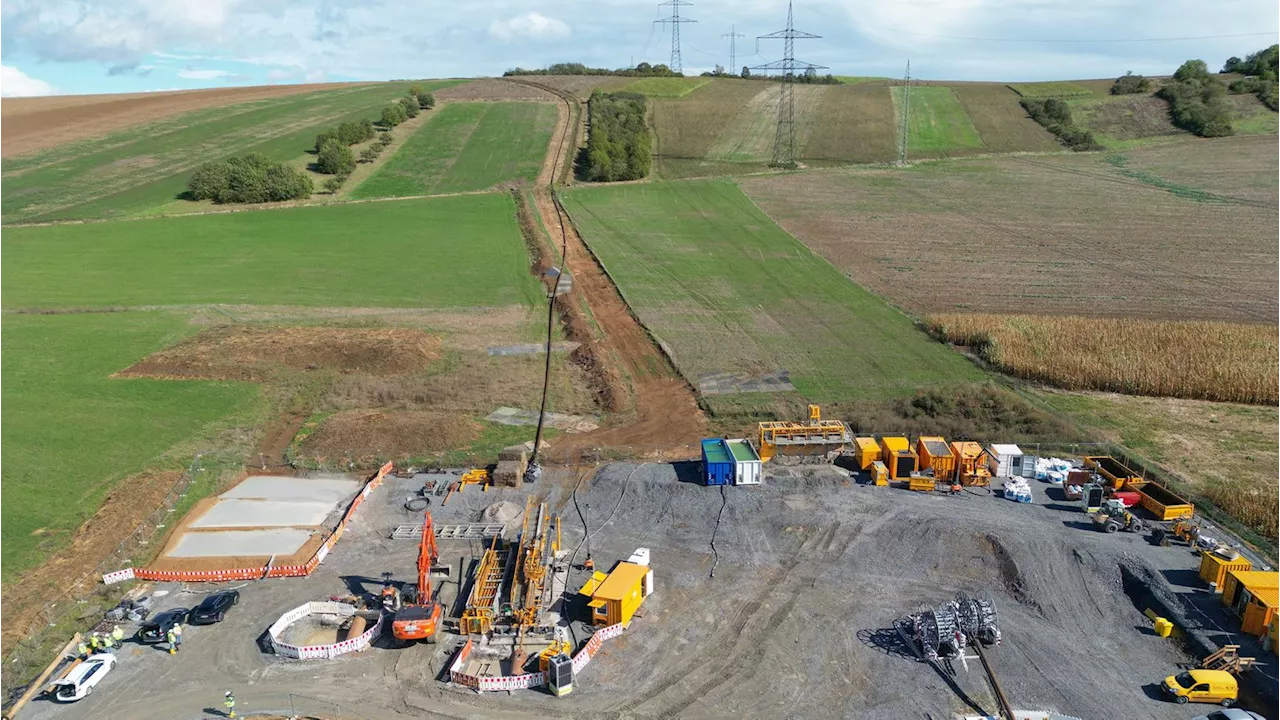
{"points": [[363, 435], [501, 512], [242, 352]]}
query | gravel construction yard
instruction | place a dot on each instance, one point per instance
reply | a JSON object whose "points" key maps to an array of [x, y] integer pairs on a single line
{"points": [[810, 570]]}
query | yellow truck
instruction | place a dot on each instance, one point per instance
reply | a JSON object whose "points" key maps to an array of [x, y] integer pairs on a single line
{"points": [[1203, 686]]}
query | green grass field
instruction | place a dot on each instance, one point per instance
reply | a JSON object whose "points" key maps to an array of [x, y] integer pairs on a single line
{"points": [[461, 251], [74, 432], [1051, 89], [467, 146], [937, 121], [728, 291], [130, 172], [665, 87]]}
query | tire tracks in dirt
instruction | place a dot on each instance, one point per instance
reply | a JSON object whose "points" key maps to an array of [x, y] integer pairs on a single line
{"points": [[664, 416]]}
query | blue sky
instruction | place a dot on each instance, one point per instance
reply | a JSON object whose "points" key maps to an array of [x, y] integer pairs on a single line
{"points": [[109, 46]]}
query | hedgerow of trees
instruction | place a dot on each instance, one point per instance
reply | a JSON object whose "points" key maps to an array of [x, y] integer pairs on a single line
{"points": [[808, 77], [1260, 70], [348, 133], [252, 178], [393, 115], [425, 100], [644, 69], [618, 144], [1055, 116], [1197, 101], [1129, 84]]}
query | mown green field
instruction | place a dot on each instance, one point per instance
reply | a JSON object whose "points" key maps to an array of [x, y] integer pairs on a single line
{"points": [[728, 291], [467, 146], [666, 87], [1051, 89], [72, 431], [461, 251], [131, 172], [937, 121]]}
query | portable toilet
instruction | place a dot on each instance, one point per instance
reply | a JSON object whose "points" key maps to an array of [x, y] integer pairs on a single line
{"points": [[897, 455], [1008, 461], [747, 467], [717, 462]]}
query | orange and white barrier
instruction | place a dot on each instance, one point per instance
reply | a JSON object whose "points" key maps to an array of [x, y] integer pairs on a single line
{"points": [[320, 652], [259, 573]]}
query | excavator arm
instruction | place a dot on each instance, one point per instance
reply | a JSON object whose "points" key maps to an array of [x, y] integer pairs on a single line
{"points": [[427, 556]]}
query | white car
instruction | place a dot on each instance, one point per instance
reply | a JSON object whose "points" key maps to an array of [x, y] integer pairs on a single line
{"points": [[1231, 714], [81, 680]]}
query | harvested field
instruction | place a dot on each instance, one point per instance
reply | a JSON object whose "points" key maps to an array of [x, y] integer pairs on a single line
{"points": [[937, 124], [1115, 119], [1063, 89], [1001, 122], [466, 147], [665, 87], [1192, 360], [241, 352], [38, 123], [493, 89], [855, 125], [1059, 235], [368, 436], [750, 136], [1215, 166], [725, 290], [578, 85], [687, 128]]}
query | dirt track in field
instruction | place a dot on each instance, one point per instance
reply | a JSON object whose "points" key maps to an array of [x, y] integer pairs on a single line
{"points": [[666, 415], [32, 124]]}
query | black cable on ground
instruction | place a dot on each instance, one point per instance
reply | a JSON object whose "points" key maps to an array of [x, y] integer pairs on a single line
{"points": [[723, 501]]}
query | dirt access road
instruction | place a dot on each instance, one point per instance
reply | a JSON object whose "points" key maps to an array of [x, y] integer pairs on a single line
{"points": [[666, 416]]}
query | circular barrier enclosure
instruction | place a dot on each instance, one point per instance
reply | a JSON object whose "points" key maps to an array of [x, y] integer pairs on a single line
{"points": [[323, 630]]}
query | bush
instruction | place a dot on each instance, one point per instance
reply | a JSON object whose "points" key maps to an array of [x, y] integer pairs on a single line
{"points": [[1261, 71], [1129, 84], [335, 159], [393, 115], [248, 179], [426, 101], [644, 69], [384, 139], [351, 133], [618, 145], [1055, 116], [410, 106], [1256, 64], [1197, 101], [334, 184], [371, 153]]}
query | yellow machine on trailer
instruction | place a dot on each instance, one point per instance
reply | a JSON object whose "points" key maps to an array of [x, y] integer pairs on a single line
{"points": [[816, 441]]}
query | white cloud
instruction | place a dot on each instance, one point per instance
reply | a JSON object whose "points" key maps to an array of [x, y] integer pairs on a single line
{"points": [[531, 25], [280, 75], [15, 83], [190, 74]]}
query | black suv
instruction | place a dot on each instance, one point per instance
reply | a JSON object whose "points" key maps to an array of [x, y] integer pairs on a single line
{"points": [[214, 607], [157, 629]]}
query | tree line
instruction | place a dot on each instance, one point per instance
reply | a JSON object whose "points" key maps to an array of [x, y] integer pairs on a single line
{"points": [[255, 178], [618, 143], [1055, 115], [809, 77], [644, 69]]}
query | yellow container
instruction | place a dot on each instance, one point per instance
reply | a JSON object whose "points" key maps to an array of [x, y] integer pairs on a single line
{"points": [[879, 473], [866, 451], [897, 455], [922, 484], [936, 455], [1164, 628], [1214, 568]]}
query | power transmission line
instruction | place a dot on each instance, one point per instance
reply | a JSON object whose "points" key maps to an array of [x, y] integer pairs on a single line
{"points": [[733, 36], [675, 20], [904, 129], [784, 143], [1071, 41]]}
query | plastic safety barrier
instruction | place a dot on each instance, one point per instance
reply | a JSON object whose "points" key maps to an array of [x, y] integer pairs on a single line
{"points": [[274, 571], [112, 578], [481, 683], [321, 652], [512, 682]]}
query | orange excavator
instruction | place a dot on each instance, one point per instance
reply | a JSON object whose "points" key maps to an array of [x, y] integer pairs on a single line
{"points": [[418, 618]]}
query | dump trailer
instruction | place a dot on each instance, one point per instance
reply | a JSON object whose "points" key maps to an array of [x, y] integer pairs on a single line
{"points": [[1162, 503], [815, 441], [1115, 474], [897, 455], [935, 455]]}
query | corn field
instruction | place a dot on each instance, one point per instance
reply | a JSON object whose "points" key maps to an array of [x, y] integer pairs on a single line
{"points": [[1197, 360]]}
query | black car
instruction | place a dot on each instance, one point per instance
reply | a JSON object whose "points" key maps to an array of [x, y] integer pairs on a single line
{"points": [[157, 629], [214, 607]]}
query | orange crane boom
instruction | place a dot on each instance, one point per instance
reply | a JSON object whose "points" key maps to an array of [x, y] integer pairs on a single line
{"points": [[419, 619]]}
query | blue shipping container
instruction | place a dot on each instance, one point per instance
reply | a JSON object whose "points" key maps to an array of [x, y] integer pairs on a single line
{"points": [[717, 462]]}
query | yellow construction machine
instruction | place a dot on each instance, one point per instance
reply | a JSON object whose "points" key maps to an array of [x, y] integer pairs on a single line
{"points": [[815, 441]]}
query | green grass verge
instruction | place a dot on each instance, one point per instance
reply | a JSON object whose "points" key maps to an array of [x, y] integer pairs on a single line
{"points": [[132, 171], [857, 79], [728, 291], [937, 122], [1050, 89], [467, 146], [438, 252], [80, 431], [665, 87]]}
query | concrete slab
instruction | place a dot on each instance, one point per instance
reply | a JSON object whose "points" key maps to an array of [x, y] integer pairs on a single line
{"points": [[280, 541], [269, 487], [263, 513]]}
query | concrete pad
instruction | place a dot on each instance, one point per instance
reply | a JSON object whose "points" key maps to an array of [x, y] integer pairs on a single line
{"points": [[270, 487], [282, 541], [263, 513]]}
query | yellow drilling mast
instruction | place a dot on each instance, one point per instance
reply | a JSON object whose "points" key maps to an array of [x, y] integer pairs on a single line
{"points": [[478, 618]]}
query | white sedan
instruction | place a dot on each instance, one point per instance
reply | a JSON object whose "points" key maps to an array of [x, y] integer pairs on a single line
{"points": [[81, 680], [1231, 714]]}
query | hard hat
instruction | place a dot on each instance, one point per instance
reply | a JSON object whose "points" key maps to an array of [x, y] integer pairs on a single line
{"points": [[228, 693]]}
